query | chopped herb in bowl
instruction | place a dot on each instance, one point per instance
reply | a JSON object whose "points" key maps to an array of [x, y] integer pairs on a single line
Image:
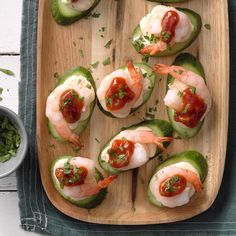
{"points": [[9, 139]]}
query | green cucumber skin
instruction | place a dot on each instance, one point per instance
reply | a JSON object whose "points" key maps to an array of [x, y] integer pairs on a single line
{"points": [[152, 78], [178, 47], [159, 127], [63, 19], [83, 124], [194, 158], [87, 203], [189, 62]]}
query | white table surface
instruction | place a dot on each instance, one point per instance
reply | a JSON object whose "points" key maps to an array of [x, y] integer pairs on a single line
{"points": [[10, 25]]}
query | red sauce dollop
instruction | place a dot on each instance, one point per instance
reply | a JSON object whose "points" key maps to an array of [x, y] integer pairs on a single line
{"points": [[71, 176], [120, 153], [118, 94], [172, 186], [194, 109], [71, 105], [169, 23]]}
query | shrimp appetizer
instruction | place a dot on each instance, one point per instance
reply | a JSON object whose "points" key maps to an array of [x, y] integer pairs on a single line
{"points": [[65, 12], [176, 180], [136, 145], [79, 181], [125, 90], [166, 31], [188, 99], [70, 105]]}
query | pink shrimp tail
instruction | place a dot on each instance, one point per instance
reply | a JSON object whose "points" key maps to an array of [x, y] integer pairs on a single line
{"points": [[153, 49], [107, 181], [159, 142], [75, 140], [134, 73], [175, 71]]}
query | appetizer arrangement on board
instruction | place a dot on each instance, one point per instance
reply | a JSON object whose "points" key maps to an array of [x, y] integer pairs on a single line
{"points": [[135, 146], [163, 32], [70, 105], [166, 31], [176, 180], [188, 99], [125, 90], [66, 12], [78, 180]]}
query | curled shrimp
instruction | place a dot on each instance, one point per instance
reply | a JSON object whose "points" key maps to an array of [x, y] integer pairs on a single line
{"points": [[56, 118], [88, 189], [136, 81], [153, 49], [184, 79], [145, 137], [190, 176]]}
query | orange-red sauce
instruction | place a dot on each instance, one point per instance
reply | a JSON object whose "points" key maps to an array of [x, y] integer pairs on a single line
{"points": [[71, 176], [71, 105], [194, 109], [118, 94], [172, 186], [169, 23], [120, 153]]}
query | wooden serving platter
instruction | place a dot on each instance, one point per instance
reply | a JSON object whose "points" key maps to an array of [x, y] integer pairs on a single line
{"points": [[59, 50]]}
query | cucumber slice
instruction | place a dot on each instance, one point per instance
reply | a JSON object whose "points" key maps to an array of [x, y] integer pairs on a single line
{"points": [[87, 203], [189, 62], [197, 23], [146, 69], [194, 158], [161, 128], [66, 15], [82, 124]]}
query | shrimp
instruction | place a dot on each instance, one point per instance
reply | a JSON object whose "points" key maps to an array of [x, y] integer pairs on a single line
{"points": [[136, 82], [145, 137], [88, 189], [153, 49], [55, 116], [184, 79], [193, 181]]}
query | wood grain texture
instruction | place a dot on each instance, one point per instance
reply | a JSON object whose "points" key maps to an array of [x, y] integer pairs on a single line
{"points": [[58, 51]]}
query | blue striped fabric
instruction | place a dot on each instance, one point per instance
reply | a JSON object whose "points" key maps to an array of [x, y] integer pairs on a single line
{"points": [[37, 213]]}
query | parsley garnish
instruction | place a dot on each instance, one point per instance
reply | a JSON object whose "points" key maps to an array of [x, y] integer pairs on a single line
{"points": [[180, 94], [207, 26], [7, 72], [96, 15], [108, 44], [95, 64], [107, 61], [81, 53], [88, 86]]}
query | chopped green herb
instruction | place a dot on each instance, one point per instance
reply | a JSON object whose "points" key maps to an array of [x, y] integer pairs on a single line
{"points": [[95, 64], [144, 75], [207, 26], [97, 140], [109, 101], [193, 89], [165, 35], [180, 94], [121, 93], [145, 59], [76, 149], [107, 61], [108, 44], [177, 137], [81, 53], [7, 72], [56, 75], [96, 15], [1, 90], [9, 139], [0, 99], [88, 86]]}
